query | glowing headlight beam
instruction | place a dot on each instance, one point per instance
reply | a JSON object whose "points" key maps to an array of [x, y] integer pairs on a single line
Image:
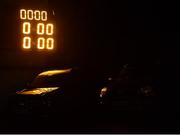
{"points": [[26, 28], [41, 43], [26, 42], [49, 29], [50, 43]]}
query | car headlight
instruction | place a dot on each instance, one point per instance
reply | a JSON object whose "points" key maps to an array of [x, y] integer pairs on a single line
{"points": [[103, 91]]}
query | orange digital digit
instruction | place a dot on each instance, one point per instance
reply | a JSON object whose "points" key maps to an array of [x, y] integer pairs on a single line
{"points": [[41, 43], [37, 15], [40, 28], [30, 15], [23, 14], [26, 42], [26, 28], [44, 16], [49, 29], [50, 43]]}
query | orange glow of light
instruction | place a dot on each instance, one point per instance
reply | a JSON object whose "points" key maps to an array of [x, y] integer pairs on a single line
{"points": [[103, 91], [44, 16], [49, 29], [40, 28], [55, 72], [30, 15], [26, 42], [41, 43], [26, 28], [37, 91], [50, 43], [37, 15], [23, 14]]}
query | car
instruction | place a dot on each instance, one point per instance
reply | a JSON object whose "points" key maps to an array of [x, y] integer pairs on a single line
{"points": [[132, 91], [56, 92]]}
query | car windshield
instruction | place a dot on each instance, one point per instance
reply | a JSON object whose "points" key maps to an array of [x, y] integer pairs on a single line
{"points": [[48, 81]]}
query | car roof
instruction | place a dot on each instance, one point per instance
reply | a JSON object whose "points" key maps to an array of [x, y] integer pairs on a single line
{"points": [[55, 72]]}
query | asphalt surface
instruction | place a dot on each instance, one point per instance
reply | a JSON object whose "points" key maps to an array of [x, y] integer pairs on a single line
{"points": [[98, 122]]}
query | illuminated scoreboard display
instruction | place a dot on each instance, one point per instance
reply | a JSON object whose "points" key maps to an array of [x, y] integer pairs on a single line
{"points": [[37, 32]]}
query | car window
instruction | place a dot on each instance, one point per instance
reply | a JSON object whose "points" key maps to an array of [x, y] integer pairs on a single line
{"points": [[49, 81]]}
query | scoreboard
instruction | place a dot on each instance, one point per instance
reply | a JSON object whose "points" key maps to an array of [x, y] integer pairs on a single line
{"points": [[37, 30]]}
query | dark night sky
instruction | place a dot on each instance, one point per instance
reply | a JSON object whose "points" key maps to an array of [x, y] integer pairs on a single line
{"points": [[109, 30]]}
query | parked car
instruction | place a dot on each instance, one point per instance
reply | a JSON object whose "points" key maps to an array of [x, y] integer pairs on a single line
{"points": [[132, 91], [55, 92]]}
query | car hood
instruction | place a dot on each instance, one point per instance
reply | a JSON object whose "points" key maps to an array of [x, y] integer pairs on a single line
{"points": [[37, 91]]}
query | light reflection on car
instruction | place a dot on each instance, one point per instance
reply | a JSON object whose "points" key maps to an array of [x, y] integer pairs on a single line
{"points": [[47, 91], [55, 92]]}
